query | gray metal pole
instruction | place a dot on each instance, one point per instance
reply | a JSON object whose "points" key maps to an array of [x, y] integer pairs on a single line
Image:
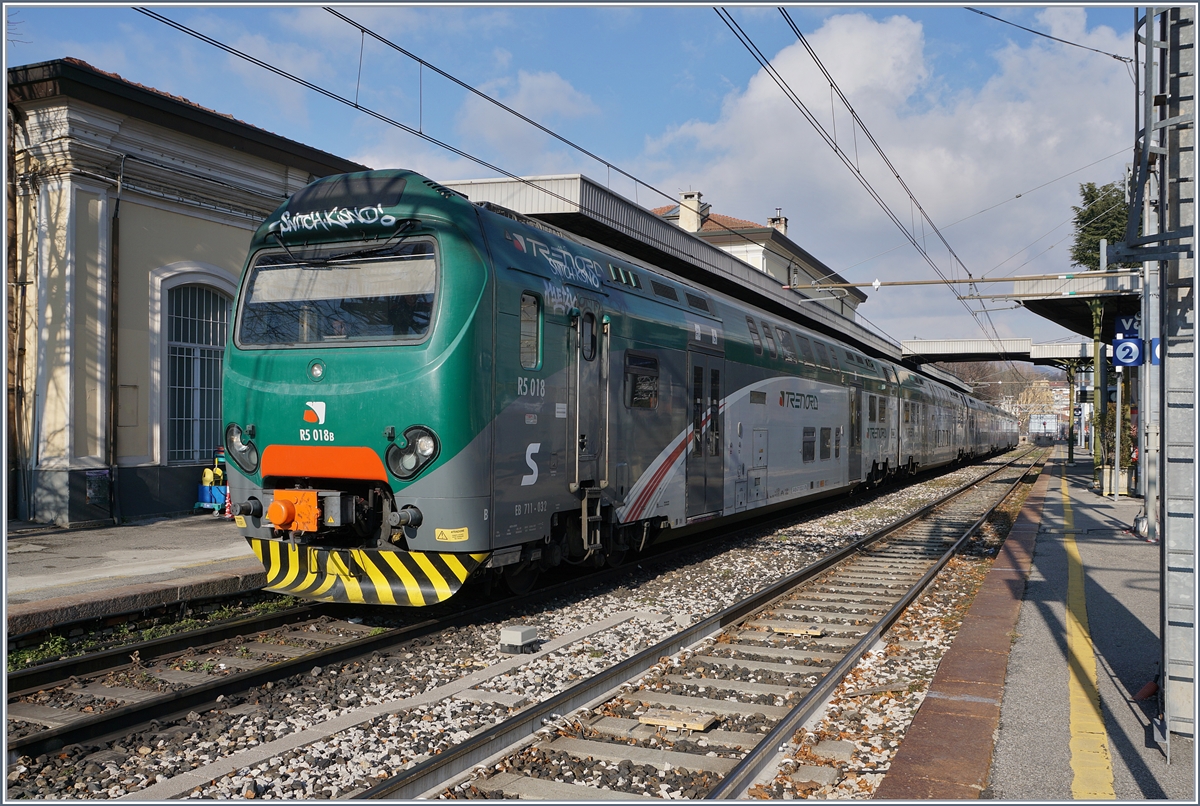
{"points": [[1116, 471]]}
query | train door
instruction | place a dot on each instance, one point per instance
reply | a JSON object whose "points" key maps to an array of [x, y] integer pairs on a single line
{"points": [[590, 390], [705, 456], [854, 447]]}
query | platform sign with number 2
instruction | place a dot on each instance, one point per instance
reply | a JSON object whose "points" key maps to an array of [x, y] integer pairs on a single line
{"points": [[1127, 352]]}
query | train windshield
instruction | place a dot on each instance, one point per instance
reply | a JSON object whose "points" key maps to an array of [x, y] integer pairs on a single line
{"points": [[333, 299]]}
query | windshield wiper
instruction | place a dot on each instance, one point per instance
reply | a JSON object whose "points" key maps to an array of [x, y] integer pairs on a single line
{"points": [[299, 261], [404, 228]]}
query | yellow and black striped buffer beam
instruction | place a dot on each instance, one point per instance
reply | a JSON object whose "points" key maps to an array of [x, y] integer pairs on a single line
{"points": [[364, 576]]}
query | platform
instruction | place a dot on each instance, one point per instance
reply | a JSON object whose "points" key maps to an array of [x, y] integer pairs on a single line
{"points": [[56, 576], [1035, 699]]}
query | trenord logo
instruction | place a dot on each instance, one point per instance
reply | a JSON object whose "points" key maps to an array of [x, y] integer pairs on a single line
{"points": [[795, 400]]}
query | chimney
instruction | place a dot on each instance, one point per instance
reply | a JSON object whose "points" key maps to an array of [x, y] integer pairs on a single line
{"points": [[779, 222], [689, 210]]}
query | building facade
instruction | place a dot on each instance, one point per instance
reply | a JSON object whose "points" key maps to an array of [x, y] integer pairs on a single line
{"points": [[766, 247], [129, 215]]}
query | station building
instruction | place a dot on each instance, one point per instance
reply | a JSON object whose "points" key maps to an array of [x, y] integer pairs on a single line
{"points": [[766, 247], [129, 213]]}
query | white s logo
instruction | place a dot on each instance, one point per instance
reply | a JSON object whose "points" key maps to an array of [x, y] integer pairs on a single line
{"points": [[531, 478]]}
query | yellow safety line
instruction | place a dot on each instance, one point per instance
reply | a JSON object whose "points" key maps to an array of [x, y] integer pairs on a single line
{"points": [[1090, 760]]}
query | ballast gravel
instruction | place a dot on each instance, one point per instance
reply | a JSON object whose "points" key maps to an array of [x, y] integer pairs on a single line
{"points": [[354, 759]]}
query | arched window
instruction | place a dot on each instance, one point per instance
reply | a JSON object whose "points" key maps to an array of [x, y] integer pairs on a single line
{"points": [[197, 322]]}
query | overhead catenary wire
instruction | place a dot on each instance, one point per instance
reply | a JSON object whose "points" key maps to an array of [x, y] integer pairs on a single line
{"points": [[782, 83], [1125, 59], [417, 133], [913, 202], [365, 31], [1096, 217], [989, 208], [870, 137]]}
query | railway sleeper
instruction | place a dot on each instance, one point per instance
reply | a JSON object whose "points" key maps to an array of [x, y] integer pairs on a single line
{"points": [[783, 653], [661, 760], [771, 689], [839, 608], [615, 727], [772, 637], [761, 667]]}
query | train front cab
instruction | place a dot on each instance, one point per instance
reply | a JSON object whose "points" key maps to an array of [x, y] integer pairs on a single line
{"points": [[357, 418]]}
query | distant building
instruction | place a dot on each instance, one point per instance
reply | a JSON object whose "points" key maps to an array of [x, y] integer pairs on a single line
{"points": [[129, 215], [765, 247]]}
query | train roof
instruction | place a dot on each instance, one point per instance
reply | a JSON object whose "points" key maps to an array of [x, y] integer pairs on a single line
{"points": [[578, 205]]}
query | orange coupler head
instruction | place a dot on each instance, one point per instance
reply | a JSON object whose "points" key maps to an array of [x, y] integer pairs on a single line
{"points": [[295, 510]]}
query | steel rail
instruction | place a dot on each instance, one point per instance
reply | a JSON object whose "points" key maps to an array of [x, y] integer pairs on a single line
{"points": [[128, 717], [747, 772], [452, 762], [162, 708], [46, 674]]}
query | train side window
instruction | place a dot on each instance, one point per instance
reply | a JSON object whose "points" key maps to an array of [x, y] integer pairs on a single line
{"points": [[826, 439], [834, 359], [697, 409], [822, 356], [587, 338], [871, 409], [907, 411], [754, 336], [810, 445], [785, 341], [641, 381], [770, 339], [531, 331], [806, 350]]}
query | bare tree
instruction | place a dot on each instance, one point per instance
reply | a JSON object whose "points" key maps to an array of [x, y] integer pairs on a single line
{"points": [[12, 27]]}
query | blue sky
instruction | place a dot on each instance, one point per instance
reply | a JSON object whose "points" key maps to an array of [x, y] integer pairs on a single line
{"points": [[971, 111]]}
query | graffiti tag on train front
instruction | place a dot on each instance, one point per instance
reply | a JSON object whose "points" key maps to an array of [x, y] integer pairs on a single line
{"points": [[335, 218]]}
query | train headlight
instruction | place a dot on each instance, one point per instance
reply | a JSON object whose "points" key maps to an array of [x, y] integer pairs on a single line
{"points": [[420, 448], [425, 446], [240, 449]]}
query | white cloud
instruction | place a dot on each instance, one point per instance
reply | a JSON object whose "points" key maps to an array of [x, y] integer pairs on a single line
{"points": [[545, 97], [1047, 110]]}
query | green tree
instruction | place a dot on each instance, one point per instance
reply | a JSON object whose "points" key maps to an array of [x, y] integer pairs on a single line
{"points": [[1102, 214]]}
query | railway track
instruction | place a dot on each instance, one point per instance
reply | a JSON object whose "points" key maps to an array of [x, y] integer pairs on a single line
{"points": [[88, 696], [225, 664], [736, 688]]}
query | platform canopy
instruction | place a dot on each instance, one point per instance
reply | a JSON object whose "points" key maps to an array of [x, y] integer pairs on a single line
{"points": [[1054, 354]]}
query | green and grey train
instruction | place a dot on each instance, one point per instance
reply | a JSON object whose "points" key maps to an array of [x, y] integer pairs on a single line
{"points": [[418, 389]]}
